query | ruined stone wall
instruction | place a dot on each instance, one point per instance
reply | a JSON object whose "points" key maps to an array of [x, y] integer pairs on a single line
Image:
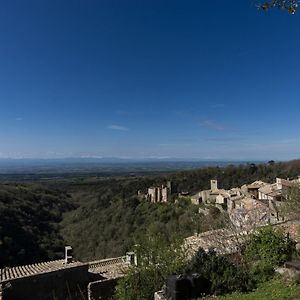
{"points": [[165, 194]]}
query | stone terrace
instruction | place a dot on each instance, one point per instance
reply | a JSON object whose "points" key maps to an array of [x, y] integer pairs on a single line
{"points": [[110, 268]]}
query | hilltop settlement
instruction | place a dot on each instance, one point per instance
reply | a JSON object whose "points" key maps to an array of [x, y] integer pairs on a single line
{"points": [[248, 207], [257, 202]]}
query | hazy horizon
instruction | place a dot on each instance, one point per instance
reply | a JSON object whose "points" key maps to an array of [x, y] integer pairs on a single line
{"points": [[138, 159], [109, 166]]}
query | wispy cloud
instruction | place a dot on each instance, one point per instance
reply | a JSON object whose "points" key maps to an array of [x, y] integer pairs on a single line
{"points": [[212, 125], [117, 127], [224, 139], [123, 112], [205, 121], [175, 145], [181, 113], [18, 119], [217, 105]]}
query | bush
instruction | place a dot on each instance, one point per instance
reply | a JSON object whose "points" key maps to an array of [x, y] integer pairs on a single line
{"points": [[225, 277], [261, 272], [265, 250], [157, 259], [269, 247]]}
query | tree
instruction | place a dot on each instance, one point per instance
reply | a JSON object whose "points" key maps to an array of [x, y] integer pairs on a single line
{"points": [[157, 259], [290, 5]]}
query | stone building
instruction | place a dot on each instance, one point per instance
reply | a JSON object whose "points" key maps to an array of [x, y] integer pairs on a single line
{"points": [[277, 191], [64, 279], [159, 194], [253, 188], [212, 196]]}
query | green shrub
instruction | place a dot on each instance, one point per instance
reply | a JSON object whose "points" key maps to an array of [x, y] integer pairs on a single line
{"points": [[261, 272], [269, 247], [265, 250], [225, 277], [157, 259]]}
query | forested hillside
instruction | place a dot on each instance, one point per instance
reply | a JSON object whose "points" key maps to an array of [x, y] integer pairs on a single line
{"points": [[97, 231], [233, 176], [29, 223], [101, 217], [110, 216]]}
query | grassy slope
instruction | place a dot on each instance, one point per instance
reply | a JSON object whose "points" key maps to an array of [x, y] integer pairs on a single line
{"points": [[275, 289]]}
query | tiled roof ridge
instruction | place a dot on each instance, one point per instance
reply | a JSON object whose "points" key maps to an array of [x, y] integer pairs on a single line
{"points": [[10, 273]]}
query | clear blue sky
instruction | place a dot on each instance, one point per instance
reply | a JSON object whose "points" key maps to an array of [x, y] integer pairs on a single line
{"points": [[157, 78]]}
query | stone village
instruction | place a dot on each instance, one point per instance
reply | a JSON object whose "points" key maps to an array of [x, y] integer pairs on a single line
{"points": [[257, 203]]}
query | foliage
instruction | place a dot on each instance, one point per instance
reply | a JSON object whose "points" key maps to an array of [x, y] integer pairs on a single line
{"points": [[275, 289], [234, 175], [261, 271], [113, 229], [291, 208], [106, 210], [29, 223], [267, 249], [225, 277], [290, 5], [157, 259]]}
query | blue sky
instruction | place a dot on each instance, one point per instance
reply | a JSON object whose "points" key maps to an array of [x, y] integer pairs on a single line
{"points": [[160, 78]]}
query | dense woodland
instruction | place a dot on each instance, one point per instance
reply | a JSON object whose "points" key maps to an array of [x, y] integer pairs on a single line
{"points": [[102, 217], [29, 223]]}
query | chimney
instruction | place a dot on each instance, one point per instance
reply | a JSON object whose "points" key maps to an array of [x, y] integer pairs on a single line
{"points": [[68, 254], [279, 183], [213, 185], [131, 258]]}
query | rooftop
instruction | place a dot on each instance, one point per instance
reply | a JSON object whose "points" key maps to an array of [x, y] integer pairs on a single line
{"points": [[256, 184], [110, 268], [7, 274]]}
